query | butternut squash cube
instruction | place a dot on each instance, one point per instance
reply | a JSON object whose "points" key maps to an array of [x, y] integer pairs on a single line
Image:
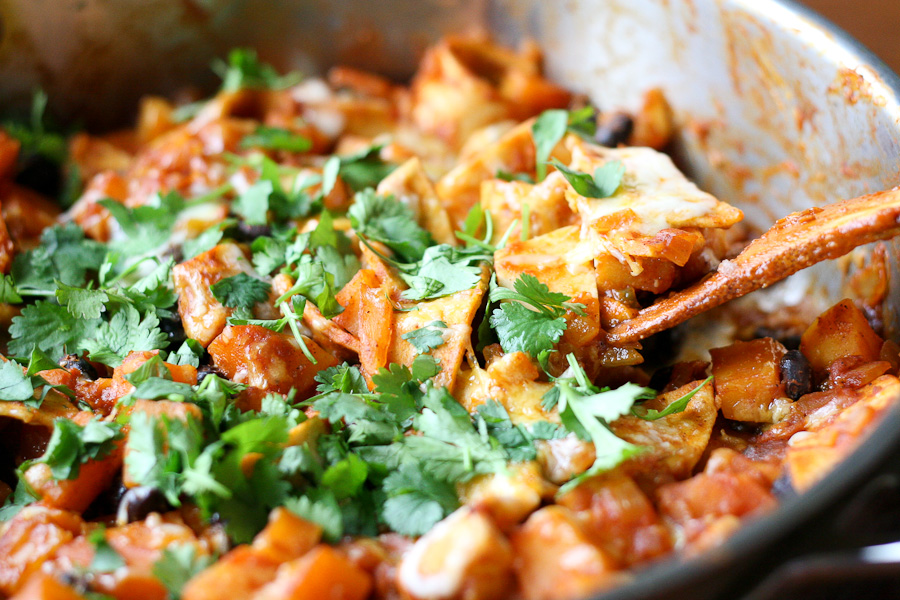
{"points": [[839, 332], [748, 380]]}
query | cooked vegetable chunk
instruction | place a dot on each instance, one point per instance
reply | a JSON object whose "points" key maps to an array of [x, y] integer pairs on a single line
{"points": [[267, 360], [748, 380]]}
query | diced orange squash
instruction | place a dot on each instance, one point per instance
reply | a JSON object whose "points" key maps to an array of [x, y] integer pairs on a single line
{"points": [[239, 573], [286, 536], [748, 380], [268, 360], [42, 586], [74, 494], [556, 561], [29, 539], [321, 574], [464, 556], [137, 586], [839, 332], [618, 517]]}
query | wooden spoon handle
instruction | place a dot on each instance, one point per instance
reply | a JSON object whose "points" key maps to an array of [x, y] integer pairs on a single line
{"points": [[793, 243]]}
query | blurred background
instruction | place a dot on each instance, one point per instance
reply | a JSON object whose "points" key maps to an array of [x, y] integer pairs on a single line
{"points": [[873, 22]]}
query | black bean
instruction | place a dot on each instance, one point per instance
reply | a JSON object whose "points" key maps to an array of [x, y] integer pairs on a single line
{"points": [[139, 502], [80, 582], [173, 328], [205, 370], [73, 361], [783, 488], [40, 174], [614, 130], [796, 374], [247, 233], [660, 378]]}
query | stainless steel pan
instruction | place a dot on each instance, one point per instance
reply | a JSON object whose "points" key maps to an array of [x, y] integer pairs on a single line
{"points": [[779, 110]]}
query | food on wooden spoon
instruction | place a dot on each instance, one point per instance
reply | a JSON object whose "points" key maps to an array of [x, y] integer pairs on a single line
{"points": [[795, 242]]}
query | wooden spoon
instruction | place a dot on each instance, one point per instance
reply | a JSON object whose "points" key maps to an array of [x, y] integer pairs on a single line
{"points": [[793, 243]]}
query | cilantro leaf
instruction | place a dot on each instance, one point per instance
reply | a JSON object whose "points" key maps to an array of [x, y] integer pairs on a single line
{"points": [[268, 254], [675, 406], [345, 477], [342, 378], [320, 507], [587, 411], [72, 445], [64, 255], [389, 221], [517, 440], [521, 329], [240, 291], [547, 130], [146, 227], [364, 169], [106, 559], [416, 501], [177, 564], [51, 328], [253, 204], [8, 292], [276, 138], [442, 272], [127, 331], [244, 70], [426, 338], [606, 180], [15, 386], [82, 303], [35, 136], [583, 123]]}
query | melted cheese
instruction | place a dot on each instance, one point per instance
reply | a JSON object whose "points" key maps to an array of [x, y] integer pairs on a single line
{"points": [[652, 188]]}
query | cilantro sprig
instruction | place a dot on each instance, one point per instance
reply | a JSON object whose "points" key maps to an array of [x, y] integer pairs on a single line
{"points": [[550, 127], [72, 445], [606, 179], [534, 321], [587, 411]]}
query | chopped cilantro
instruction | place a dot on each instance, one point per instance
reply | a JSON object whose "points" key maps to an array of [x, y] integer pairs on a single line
{"points": [[587, 411], [389, 221], [244, 70], [15, 386], [51, 328], [276, 138], [675, 406], [364, 169], [177, 564], [253, 204], [547, 130], [320, 507], [106, 559], [606, 180], [535, 322], [426, 338], [127, 331], [80, 302], [64, 255], [240, 291], [72, 445], [416, 501]]}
